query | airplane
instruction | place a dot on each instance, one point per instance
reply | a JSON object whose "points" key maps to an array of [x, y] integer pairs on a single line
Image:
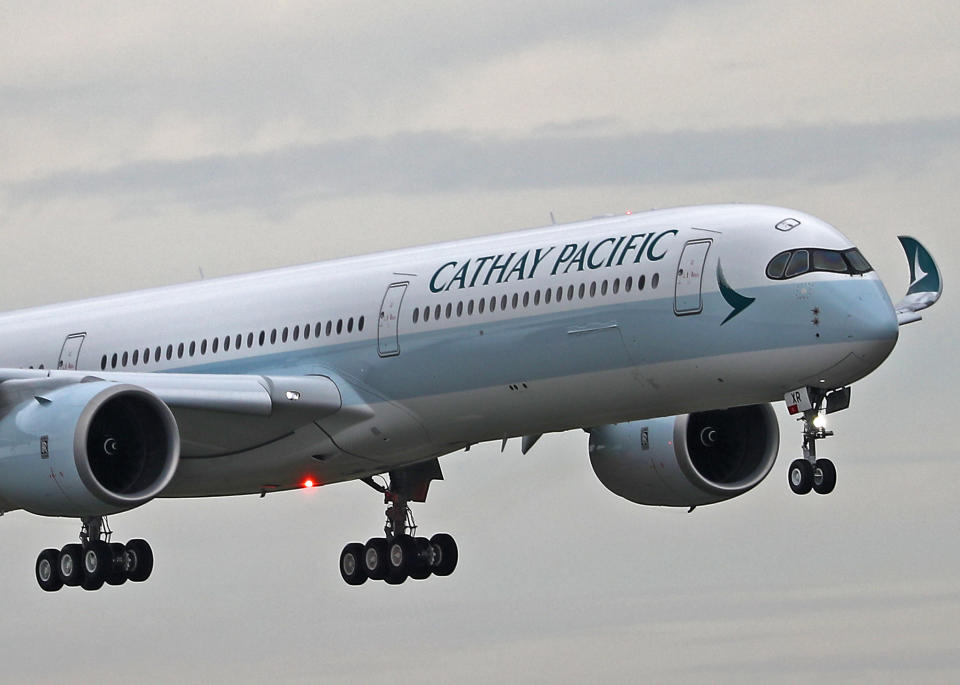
{"points": [[666, 335]]}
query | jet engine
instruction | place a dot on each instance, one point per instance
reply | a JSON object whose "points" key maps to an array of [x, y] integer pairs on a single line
{"points": [[687, 460], [86, 449]]}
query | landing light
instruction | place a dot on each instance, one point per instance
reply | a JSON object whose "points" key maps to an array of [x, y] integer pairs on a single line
{"points": [[820, 421], [308, 483]]}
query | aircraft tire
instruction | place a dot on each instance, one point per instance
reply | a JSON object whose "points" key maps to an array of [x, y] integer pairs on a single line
{"points": [[801, 476], [402, 557], [421, 568], [447, 559], [825, 477], [48, 570], [97, 564], [70, 565], [117, 575], [351, 564], [375, 558], [138, 560]]}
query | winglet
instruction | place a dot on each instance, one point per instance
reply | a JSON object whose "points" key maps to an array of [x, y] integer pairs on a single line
{"points": [[926, 284]]}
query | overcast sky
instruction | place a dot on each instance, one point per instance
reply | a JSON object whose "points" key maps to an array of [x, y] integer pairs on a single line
{"points": [[140, 142]]}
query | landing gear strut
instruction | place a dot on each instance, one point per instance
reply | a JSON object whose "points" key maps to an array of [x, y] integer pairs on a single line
{"points": [[94, 561], [809, 472], [400, 554]]}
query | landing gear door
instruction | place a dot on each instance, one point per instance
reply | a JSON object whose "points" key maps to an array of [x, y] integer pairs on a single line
{"points": [[70, 351], [388, 340], [687, 296]]}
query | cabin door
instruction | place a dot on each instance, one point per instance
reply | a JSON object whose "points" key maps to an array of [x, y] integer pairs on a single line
{"points": [[687, 298], [388, 339], [70, 351]]}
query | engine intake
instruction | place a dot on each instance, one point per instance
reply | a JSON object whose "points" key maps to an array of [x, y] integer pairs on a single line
{"points": [[89, 448], [687, 460]]}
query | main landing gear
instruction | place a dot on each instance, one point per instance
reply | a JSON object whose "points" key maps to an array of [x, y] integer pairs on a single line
{"points": [[401, 554], [810, 473], [95, 561]]}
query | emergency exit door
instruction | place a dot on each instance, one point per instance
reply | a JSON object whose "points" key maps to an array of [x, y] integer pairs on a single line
{"points": [[687, 296], [388, 338]]}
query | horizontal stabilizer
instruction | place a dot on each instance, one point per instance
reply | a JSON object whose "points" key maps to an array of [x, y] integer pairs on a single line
{"points": [[926, 285]]}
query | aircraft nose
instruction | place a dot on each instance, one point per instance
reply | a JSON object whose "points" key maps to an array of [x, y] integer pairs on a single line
{"points": [[873, 322]]}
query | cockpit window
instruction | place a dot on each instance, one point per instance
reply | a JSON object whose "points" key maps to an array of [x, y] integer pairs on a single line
{"points": [[799, 263], [804, 260], [856, 260], [828, 260], [777, 265]]}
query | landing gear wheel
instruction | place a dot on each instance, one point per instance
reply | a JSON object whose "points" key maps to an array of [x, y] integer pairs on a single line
{"points": [[445, 554], [118, 574], [97, 564], [824, 476], [137, 560], [422, 562], [351, 564], [70, 565], [48, 573], [395, 578], [375, 558], [403, 552], [801, 476]]}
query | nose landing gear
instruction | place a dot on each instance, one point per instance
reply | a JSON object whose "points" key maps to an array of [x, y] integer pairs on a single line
{"points": [[401, 554], [95, 561], [810, 473]]}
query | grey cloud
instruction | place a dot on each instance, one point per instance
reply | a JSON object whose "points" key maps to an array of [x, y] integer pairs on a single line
{"points": [[438, 162]]}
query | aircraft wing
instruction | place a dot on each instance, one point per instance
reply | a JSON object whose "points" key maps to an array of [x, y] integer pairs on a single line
{"points": [[217, 414], [926, 284]]}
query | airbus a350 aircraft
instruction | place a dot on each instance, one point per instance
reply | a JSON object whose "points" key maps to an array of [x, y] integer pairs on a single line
{"points": [[666, 335]]}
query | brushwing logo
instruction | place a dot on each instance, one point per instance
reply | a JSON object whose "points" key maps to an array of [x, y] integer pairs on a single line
{"points": [[737, 301]]}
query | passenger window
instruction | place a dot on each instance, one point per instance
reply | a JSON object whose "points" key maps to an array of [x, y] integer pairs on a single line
{"points": [[655, 281], [226, 343], [503, 302], [360, 324], [330, 326], [193, 347], [593, 289], [799, 263], [459, 309], [536, 298], [481, 305], [113, 361], [628, 285], [603, 288], [470, 308], [239, 341], [180, 351], [339, 326], [285, 334], [203, 346], [616, 286], [136, 357], [103, 362], [156, 354], [296, 333], [261, 340], [426, 313], [350, 325], [316, 331], [493, 304], [216, 345], [416, 314], [449, 310]]}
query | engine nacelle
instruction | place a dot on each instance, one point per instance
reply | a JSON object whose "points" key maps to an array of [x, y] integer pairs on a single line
{"points": [[87, 449], [687, 460]]}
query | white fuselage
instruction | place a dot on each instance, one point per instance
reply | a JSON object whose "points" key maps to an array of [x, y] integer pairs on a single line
{"points": [[452, 344]]}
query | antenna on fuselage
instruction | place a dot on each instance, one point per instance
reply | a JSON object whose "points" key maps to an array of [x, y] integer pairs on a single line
{"points": [[552, 220], [200, 269]]}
